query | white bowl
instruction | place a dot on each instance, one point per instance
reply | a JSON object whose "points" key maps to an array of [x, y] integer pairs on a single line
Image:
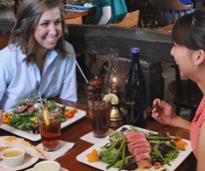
{"points": [[47, 166], [13, 156]]}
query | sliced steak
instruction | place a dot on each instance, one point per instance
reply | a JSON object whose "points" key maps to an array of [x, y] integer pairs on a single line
{"points": [[140, 149]]}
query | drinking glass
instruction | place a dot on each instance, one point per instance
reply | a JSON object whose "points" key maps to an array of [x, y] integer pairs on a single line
{"points": [[99, 112], [50, 129]]}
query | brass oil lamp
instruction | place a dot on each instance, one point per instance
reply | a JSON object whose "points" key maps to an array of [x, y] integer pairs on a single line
{"points": [[113, 98]]}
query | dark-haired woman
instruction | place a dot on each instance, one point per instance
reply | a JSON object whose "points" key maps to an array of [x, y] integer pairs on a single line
{"points": [[189, 53], [37, 61]]}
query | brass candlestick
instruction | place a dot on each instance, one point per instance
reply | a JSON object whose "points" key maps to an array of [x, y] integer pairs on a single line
{"points": [[115, 116], [115, 113]]}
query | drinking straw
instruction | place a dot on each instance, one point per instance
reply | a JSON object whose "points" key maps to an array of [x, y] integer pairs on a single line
{"points": [[44, 111], [41, 102], [82, 73]]}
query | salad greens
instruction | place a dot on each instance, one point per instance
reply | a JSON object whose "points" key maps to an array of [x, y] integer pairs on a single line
{"points": [[26, 116], [51, 105], [27, 122], [116, 154]]}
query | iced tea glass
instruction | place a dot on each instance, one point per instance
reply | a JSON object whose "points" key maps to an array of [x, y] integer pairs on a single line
{"points": [[50, 129], [99, 112]]}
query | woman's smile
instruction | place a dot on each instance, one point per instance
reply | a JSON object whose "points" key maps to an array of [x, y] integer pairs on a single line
{"points": [[49, 29]]}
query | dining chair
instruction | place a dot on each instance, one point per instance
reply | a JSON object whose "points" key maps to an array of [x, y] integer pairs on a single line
{"points": [[168, 11], [131, 20], [185, 94], [146, 18]]}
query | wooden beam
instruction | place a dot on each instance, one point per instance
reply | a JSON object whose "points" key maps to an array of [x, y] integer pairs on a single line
{"points": [[155, 46], [91, 39]]}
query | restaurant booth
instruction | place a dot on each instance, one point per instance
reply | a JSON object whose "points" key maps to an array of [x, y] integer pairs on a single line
{"points": [[107, 42]]}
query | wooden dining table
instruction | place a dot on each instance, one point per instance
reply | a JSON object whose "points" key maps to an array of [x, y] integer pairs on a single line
{"points": [[70, 17], [77, 17], [73, 132]]}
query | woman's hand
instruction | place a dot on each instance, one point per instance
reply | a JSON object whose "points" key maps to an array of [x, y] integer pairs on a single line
{"points": [[163, 112]]}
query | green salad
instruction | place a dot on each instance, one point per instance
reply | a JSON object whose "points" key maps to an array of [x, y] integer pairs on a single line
{"points": [[116, 154], [25, 117]]}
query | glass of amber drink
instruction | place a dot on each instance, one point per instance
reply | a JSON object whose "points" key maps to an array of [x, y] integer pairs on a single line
{"points": [[50, 129], [99, 112]]}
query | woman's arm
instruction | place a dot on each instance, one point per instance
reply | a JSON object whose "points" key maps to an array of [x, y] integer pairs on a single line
{"points": [[106, 15], [201, 149], [5, 65], [180, 122]]}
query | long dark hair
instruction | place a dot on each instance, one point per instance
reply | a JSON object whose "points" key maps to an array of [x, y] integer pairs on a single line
{"points": [[28, 16], [189, 30]]}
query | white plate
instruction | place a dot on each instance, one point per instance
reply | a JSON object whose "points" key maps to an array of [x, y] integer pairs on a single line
{"points": [[76, 8], [35, 137], [102, 166], [62, 169], [27, 162]]}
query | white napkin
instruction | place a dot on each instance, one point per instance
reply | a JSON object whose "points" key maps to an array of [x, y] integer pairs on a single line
{"points": [[65, 146], [89, 137]]}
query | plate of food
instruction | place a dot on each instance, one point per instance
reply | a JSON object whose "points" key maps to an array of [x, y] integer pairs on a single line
{"points": [[31, 156], [137, 149], [24, 120], [77, 8]]}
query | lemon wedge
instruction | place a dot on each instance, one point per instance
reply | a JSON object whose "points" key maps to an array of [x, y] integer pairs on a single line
{"points": [[45, 117], [111, 98]]}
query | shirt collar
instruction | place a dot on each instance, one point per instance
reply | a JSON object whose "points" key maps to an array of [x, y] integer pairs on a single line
{"points": [[52, 54]]}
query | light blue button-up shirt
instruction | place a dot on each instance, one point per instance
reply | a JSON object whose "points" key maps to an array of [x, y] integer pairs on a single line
{"points": [[20, 80]]}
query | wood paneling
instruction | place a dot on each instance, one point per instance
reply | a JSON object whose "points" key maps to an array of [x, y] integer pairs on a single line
{"points": [[3, 41]]}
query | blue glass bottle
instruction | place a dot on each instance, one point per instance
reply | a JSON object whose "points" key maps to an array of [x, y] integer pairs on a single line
{"points": [[135, 94]]}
